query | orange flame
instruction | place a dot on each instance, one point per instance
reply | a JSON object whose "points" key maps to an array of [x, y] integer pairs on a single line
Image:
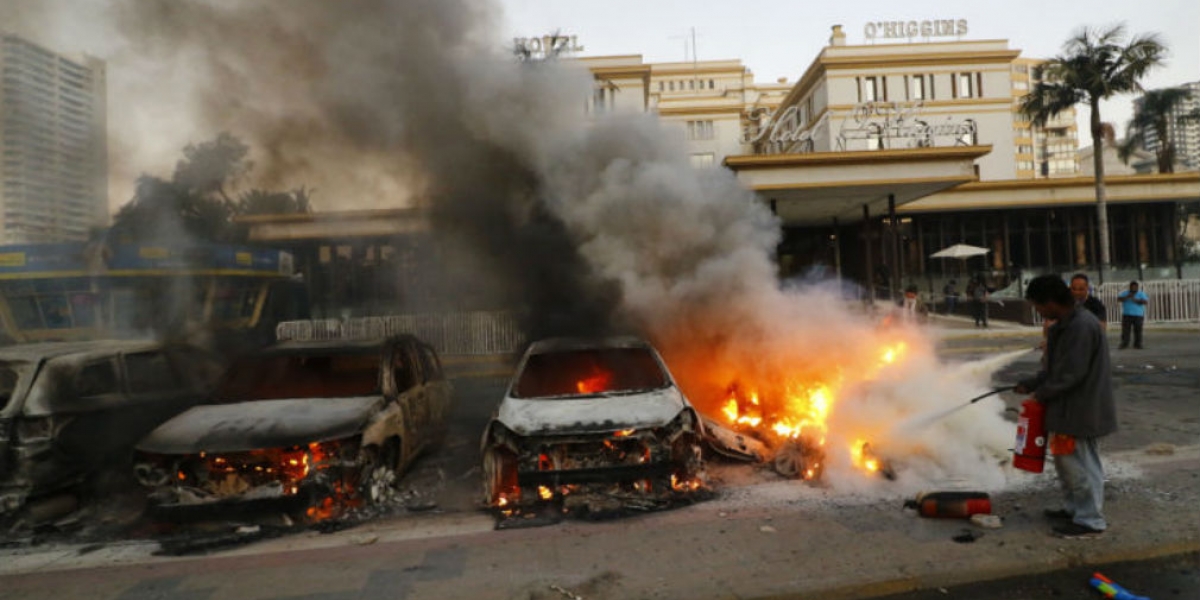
{"points": [[597, 382]]}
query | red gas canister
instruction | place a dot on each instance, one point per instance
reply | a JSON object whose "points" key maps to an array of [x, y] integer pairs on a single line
{"points": [[951, 505], [1029, 453]]}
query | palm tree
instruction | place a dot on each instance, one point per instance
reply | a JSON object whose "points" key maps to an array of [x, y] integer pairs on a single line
{"points": [[1151, 120], [1094, 66]]}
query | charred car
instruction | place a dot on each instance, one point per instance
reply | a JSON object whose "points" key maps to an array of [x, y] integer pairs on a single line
{"points": [[69, 409], [321, 425], [598, 425]]}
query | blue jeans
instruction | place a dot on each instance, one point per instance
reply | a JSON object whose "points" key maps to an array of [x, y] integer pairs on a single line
{"points": [[1082, 479]]}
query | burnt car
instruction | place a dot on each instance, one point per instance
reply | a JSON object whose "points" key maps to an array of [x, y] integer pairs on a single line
{"points": [[598, 425], [70, 409], [322, 425]]}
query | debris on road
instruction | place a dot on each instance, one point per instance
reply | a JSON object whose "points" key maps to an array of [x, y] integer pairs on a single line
{"points": [[987, 521]]}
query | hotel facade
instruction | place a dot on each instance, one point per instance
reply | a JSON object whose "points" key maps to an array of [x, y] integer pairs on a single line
{"points": [[883, 153]]}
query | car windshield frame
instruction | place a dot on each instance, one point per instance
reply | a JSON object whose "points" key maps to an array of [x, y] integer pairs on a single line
{"points": [[540, 379]]}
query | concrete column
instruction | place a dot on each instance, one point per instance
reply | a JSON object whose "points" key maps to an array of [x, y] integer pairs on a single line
{"points": [[870, 270]]}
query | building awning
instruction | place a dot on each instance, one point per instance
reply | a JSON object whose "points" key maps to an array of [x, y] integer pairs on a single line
{"points": [[815, 188], [1061, 192], [336, 225]]}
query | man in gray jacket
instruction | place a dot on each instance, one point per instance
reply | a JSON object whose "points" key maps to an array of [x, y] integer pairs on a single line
{"points": [[1075, 385]]}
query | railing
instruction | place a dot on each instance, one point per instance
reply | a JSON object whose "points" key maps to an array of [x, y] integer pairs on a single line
{"points": [[472, 333], [1171, 300]]}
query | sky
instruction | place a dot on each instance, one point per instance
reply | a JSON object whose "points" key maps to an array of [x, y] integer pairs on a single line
{"points": [[780, 38]]}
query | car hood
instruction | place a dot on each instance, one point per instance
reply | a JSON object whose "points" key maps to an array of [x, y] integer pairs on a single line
{"points": [[261, 424], [590, 413]]}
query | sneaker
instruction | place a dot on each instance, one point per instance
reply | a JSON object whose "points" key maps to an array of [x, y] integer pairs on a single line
{"points": [[1075, 531], [1057, 513]]}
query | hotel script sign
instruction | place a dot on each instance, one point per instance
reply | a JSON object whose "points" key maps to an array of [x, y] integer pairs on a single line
{"points": [[869, 126]]}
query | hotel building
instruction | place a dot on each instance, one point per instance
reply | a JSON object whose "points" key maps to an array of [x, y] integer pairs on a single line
{"points": [[53, 144], [896, 150]]}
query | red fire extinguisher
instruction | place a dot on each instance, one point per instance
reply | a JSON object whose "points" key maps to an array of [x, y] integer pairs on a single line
{"points": [[1030, 450]]}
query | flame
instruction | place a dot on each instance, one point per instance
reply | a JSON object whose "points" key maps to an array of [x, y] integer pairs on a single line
{"points": [[598, 381], [780, 404], [545, 493], [860, 455], [624, 433]]}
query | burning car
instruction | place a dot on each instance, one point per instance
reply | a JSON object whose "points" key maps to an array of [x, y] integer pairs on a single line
{"points": [[67, 409], [599, 425], [326, 425]]}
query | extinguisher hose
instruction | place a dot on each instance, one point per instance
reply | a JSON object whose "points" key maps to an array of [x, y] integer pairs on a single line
{"points": [[991, 393]]}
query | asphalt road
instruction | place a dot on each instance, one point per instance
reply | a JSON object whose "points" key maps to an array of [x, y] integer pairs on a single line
{"points": [[1156, 392], [1174, 577]]}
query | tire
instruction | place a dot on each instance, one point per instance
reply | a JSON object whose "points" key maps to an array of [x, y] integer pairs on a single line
{"points": [[377, 476]]}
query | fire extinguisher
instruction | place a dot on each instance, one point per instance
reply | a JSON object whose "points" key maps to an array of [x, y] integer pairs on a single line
{"points": [[1030, 450]]}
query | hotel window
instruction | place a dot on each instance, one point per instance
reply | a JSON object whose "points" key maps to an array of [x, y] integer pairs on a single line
{"points": [[867, 90], [661, 86], [671, 85], [712, 85], [916, 88], [601, 99], [703, 160], [700, 130], [965, 85]]}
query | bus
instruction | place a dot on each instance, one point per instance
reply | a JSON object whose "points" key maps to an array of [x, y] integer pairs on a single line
{"points": [[84, 291]]}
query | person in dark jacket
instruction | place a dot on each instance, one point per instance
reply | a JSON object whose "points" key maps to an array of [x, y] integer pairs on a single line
{"points": [[1075, 386], [1081, 289]]}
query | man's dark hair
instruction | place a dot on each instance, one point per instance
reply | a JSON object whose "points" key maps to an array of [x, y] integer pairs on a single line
{"points": [[1045, 289], [1082, 276], [1132, 283]]}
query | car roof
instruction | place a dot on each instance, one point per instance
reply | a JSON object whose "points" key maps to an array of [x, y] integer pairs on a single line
{"points": [[301, 347], [563, 344], [49, 350]]}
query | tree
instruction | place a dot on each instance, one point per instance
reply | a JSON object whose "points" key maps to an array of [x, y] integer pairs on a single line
{"points": [[209, 167], [167, 212], [1152, 117], [1095, 65]]}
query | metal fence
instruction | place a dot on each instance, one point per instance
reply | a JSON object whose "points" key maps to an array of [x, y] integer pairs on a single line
{"points": [[1171, 300], [471, 333]]}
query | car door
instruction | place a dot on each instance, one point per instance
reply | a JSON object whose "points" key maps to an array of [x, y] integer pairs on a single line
{"points": [[405, 378], [10, 409], [437, 391], [95, 414], [406, 374], [155, 389]]}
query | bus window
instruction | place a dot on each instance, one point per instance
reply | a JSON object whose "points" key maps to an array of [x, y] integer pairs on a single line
{"points": [[25, 312], [232, 301], [83, 309], [56, 313]]}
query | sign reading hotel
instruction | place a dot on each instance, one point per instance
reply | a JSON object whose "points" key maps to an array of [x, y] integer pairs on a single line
{"points": [[899, 30], [548, 45]]}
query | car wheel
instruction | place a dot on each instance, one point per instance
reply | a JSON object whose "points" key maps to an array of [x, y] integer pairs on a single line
{"points": [[377, 476], [499, 474]]}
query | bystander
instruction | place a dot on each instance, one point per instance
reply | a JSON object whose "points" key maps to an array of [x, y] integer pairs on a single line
{"points": [[1133, 314]]}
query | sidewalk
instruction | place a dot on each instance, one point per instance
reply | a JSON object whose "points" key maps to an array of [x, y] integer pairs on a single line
{"points": [[782, 539]]}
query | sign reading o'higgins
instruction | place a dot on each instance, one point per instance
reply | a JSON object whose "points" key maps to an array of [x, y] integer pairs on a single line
{"points": [[912, 29]]}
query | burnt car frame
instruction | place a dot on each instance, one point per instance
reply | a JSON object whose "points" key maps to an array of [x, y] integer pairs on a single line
{"points": [[71, 409], [324, 425], [599, 425]]}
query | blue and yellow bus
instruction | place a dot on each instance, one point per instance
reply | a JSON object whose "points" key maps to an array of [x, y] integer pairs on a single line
{"points": [[82, 291]]}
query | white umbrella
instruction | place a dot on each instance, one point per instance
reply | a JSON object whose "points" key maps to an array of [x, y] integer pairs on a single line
{"points": [[960, 251]]}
